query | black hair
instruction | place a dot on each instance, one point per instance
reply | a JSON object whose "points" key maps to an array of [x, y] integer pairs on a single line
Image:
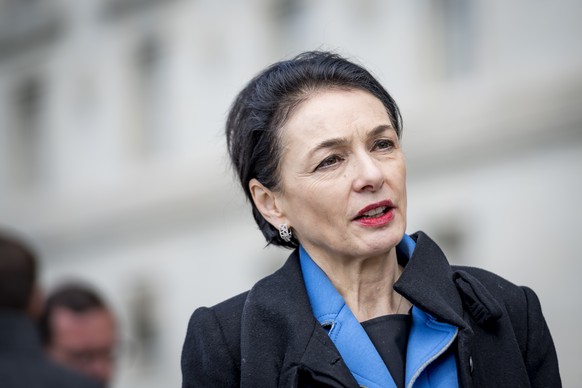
{"points": [[75, 297], [18, 271], [264, 105]]}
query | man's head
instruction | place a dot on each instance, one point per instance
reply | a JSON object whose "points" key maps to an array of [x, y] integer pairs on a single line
{"points": [[18, 271], [79, 331]]}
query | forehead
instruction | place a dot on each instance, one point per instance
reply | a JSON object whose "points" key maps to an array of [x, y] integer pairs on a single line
{"points": [[334, 113]]}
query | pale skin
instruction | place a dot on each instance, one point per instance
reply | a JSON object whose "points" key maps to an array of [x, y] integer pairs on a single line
{"points": [[341, 157]]}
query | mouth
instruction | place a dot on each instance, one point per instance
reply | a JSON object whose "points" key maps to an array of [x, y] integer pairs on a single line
{"points": [[376, 214], [375, 210]]}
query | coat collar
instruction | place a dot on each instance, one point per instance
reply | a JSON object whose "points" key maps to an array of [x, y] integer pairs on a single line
{"points": [[278, 319], [427, 282], [428, 337]]}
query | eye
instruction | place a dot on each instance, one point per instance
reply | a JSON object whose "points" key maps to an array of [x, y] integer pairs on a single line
{"points": [[383, 144], [328, 162]]}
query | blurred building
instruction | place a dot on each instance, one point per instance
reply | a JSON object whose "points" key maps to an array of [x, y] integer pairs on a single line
{"points": [[112, 157]]}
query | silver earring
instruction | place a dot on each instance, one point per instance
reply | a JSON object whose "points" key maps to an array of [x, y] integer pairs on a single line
{"points": [[285, 233]]}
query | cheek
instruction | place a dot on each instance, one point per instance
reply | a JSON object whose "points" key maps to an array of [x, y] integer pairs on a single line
{"points": [[403, 192], [396, 176], [313, 204], [401, 177]]}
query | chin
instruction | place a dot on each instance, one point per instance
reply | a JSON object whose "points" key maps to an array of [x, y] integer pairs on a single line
{"points": [[386, 242], [379, 247]]}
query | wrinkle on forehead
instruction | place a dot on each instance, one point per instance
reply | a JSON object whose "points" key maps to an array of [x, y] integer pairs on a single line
{"points": [[313, 119]]}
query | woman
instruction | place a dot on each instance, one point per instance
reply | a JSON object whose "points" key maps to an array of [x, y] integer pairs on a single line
{"points": [[316, 144]]}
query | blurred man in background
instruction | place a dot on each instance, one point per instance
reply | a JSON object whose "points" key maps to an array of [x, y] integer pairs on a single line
{"points": [[79, 331], [22, 361]]}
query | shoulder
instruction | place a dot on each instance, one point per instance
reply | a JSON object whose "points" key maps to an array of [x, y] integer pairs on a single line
{"points": [[498, 286], [522, 308], [225, 312], [209, 325], [521, 302], [510, 295], [488, 292], [39, 371], [211, 350], [224, 319], [211, 355], [513, 299]]}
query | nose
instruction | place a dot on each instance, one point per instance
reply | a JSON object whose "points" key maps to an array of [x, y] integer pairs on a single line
{"points": [[368, 174]]}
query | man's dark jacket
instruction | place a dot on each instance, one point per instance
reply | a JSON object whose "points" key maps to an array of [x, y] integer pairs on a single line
{"points": [[22, 362], [268, 337]]}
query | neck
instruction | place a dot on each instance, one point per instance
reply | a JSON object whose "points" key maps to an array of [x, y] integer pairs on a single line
{"points": [[366, 284]]}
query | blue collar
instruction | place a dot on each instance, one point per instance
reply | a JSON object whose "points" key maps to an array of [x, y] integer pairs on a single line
{"points": [[428, 338], [348, 335]]}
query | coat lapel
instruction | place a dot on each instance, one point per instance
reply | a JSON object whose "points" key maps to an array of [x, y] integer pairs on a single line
{"points": [[281, 341], [427, 282]]}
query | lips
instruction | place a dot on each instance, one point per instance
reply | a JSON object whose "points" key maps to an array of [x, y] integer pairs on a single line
{"points": [[376, 214]]}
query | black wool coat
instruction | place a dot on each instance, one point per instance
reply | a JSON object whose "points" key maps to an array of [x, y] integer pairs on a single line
{"points": [[268, 337]]}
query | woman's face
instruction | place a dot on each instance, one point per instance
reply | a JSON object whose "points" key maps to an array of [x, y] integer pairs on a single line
{"points": [[343, 176]]}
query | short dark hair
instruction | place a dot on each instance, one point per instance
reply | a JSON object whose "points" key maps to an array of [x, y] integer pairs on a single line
{"points": [[264, 105], [76, 297], [18, 269]]}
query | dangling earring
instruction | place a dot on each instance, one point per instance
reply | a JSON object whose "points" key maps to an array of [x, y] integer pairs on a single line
{"points": [[285, 233]]}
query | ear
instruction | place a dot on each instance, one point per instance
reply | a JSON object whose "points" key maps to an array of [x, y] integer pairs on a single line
{"points": [[267, 202]]}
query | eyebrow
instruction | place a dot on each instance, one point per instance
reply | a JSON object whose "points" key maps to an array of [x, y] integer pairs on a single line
{"points": [[339, 142], [380, 129]]}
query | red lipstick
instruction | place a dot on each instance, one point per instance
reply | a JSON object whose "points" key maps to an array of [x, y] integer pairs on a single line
{"points": [[377, 214]]}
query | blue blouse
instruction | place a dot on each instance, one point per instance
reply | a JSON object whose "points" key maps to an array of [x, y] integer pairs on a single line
{"points": [[427, 342]]}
